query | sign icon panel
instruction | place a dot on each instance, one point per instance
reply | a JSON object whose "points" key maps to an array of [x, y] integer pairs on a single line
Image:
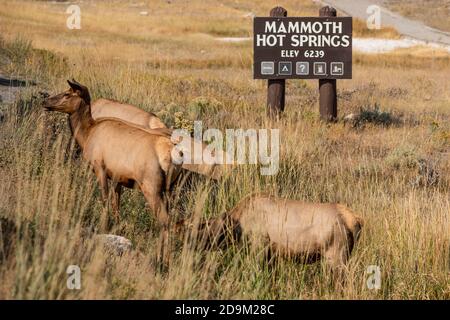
{"points": [[285, 68], [320, 68], [337, 68], [267, 67], [302, 48], [302, 68]]}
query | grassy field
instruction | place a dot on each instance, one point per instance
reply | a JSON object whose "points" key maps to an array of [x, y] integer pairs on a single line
{"points": [[433, 13], [392, 166]]}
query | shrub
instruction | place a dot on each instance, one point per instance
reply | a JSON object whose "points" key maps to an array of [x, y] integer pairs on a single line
{"points": [[422, 171], [202, 106], [173, 116], [374, 115]]}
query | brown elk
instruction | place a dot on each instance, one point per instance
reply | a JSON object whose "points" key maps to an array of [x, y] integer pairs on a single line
{"points": [[290, 228], [106, 108], [127, 155]]}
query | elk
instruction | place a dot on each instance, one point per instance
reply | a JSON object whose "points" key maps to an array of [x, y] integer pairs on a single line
{"points": [[106, 108], [127, 155], [304, 231]]}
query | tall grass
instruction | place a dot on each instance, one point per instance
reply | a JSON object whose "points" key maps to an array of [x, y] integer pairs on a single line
{"points": [[54, 199], [406, 231]]}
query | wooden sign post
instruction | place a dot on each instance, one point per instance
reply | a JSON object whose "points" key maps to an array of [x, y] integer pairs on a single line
{"points": [[276, 88], [327, 87], [302, 48]]}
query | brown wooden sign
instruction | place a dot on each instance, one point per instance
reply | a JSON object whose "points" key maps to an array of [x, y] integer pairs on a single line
{"points": [[302, 48]]}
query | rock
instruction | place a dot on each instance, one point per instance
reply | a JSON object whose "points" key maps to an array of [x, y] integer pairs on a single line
{"points": [[115, 244], [143, 13], [350, 117]]}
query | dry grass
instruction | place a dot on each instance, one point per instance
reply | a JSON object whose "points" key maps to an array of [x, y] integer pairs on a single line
{"points": [[396, 175], [360, 30], [433, 13]]}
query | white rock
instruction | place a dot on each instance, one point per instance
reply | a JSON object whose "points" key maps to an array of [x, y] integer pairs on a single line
{"points": [[116, 244], [350, 117]]}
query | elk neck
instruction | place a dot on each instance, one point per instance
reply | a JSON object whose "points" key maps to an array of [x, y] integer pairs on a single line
{"points": [[81, 122]]}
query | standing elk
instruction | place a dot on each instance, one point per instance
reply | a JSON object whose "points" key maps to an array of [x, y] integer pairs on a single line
{"points": [[127, 155], [106, 108]]}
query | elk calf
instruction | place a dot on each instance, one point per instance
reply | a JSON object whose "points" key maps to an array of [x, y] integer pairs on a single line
{"points": [[308, 231]]}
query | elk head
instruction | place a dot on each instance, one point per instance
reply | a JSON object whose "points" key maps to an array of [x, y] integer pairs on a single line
{"points": [[70, 100], [219, 232]]}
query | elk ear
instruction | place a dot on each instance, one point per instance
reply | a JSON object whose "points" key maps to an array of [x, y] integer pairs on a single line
{"points": [[76, 82], [75, 85], [82, 90]]}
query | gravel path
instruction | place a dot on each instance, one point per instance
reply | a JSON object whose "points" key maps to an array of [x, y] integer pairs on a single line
{"points": [[9, 88]]}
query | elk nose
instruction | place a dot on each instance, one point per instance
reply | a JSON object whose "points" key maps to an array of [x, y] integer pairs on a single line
{"points": [[46, 104]]}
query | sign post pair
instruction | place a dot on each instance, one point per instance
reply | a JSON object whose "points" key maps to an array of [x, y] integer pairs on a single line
{"points": [[302, 48]]}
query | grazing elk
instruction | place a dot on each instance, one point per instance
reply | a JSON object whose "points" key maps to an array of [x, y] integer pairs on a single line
{"points": [[290, 228], [127, 155]]}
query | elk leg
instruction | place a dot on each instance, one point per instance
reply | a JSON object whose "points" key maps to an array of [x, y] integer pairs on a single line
{"points": [[156, 202], [103, 181], [336, 258], [116, 201], [159, 206]]}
